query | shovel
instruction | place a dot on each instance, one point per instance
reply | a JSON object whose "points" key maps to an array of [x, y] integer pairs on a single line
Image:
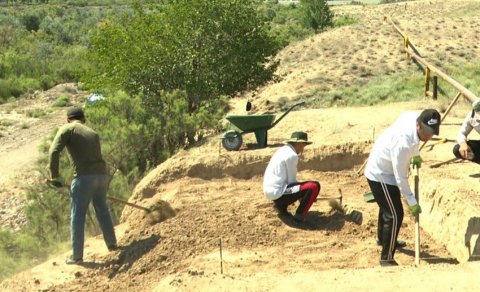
{"points": [[417, 222], [115, 199]]}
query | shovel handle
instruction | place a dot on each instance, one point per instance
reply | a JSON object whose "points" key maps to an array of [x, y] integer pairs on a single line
{"points": [[115, 199], [417, 221], [128, 203]]}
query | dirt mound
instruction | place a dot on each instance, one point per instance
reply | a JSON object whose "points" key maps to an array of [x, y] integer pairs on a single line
{"points": [[443, 31]]}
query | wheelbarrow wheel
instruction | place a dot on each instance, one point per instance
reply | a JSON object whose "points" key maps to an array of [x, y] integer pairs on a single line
{"points": [[232, 140]]}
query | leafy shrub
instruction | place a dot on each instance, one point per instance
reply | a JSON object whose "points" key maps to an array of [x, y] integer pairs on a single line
{"points": [[61, 101], [31, 21], [35, 113], [6, 122], [317, 14]]}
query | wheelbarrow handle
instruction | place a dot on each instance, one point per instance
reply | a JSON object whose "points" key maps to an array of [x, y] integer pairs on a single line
{"points": [[299, 103], [285, 113]]}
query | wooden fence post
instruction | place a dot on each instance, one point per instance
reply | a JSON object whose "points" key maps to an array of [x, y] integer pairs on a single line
{"points": [[427, 80]]}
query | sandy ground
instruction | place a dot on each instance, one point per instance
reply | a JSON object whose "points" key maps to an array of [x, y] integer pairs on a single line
{"points": [[213, 230]]}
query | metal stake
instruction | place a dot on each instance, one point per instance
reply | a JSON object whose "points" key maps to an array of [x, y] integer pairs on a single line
{"points": [[221, 257]]}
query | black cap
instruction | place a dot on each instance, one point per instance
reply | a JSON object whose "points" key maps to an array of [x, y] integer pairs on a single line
{"points": [[429, 120], [75, 113]]}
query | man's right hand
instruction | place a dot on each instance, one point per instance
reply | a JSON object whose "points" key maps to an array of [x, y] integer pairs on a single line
{"points": [[464, 150], [56, 182], [415, 209]]}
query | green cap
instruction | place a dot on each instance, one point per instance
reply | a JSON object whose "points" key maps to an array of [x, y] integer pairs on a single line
{"points": [[298, 137]]}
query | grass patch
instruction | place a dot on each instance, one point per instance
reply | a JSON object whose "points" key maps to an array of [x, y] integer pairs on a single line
{"points": [[345, 19], [35, 113], [385, 89], [471, 9], [394, 88], [62, 101], [6, 123]]}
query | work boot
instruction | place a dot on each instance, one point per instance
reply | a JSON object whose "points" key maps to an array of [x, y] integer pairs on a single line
{"points": [[400, 243], [71, 261], [388, 263], [299, 218]]}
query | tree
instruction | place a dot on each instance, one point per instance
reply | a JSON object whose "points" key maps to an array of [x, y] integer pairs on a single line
{"points": [[204, 48], [317, 14]]}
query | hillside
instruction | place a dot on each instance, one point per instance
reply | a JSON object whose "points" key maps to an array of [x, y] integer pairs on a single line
{"points": [[208, 201]]}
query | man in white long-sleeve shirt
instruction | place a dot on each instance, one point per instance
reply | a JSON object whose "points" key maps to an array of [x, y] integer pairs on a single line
{"points": [[469, 149], [387, 173], [280, 180]]}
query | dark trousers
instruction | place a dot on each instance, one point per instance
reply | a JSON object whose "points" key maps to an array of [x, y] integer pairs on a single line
{"points": [[306, 192], [390, 216], [474, 146]]}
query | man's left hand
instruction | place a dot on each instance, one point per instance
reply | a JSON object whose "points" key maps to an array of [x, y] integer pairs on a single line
{"points": [[415, 209], [416, 161], [56, 182]]}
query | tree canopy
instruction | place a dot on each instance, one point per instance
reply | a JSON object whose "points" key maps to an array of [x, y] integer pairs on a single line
{"points": [[317, 14], [206, 47], [181, 59]]}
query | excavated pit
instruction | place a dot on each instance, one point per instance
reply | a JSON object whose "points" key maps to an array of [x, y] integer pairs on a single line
{"points": [[240, 173]]}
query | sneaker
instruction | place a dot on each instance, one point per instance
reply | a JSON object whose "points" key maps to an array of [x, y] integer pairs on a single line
{"points": [[388, 263], [112, 247], [400, 243], [71, 261]]}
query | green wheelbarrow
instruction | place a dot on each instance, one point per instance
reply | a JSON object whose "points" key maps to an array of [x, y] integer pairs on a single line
{"points": [[258, 124]]}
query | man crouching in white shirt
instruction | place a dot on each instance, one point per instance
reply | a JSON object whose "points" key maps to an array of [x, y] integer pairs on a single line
{"points": [[387, 173], [469, 149], [280, 180]]}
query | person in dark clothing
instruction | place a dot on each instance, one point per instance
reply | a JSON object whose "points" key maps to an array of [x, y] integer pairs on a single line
{"points": [[90, 180], [469, 149]]}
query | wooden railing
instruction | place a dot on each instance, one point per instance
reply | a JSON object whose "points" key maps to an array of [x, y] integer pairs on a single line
{"points": [[430, 69]]}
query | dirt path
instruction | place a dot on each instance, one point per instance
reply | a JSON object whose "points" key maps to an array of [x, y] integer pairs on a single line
{"points": [[25, 124]]}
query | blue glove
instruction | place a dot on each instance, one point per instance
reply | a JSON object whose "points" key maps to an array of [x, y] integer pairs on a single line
{"points": [[57, 182], [416, 161], [415, 209]]}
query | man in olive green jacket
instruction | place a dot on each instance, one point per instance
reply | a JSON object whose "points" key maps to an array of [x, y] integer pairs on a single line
{"points": [[90, 180]]}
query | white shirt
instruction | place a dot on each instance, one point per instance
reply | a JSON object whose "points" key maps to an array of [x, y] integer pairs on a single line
{"points": [[468, 125], [281, 171], [390, 158]]}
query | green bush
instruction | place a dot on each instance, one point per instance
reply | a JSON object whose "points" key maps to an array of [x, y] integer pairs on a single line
{"points": [[62, 101], [35, 113], [317, 14], [31, 20]]}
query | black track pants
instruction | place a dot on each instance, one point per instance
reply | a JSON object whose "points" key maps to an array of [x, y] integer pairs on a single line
{"points": [[390, 216], [474, 146], [306, 192]]}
